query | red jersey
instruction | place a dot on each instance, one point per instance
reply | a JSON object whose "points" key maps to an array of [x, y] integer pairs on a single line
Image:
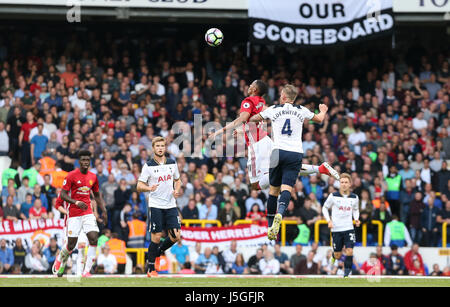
{"points": [[79, 186], [253, 105]]}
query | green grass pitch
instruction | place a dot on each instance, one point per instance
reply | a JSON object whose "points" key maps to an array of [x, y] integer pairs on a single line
{"points": [[222, 282]]}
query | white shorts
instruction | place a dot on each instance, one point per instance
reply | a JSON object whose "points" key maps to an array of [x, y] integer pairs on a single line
{"points": [[78, 225], [258, 162]]}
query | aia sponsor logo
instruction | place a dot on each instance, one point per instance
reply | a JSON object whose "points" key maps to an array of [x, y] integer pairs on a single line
{"points": [[164, 178], [342, 208]]}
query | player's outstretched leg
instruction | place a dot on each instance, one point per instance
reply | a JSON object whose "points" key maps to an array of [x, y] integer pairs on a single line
{"points": [[283, 201], [324, 169], [61, 261]]}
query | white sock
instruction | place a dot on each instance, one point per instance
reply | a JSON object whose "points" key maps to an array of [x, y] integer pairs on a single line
{"points": [[91, 255], [264, 182], [309, 169], [80, 261], [64, 255]]}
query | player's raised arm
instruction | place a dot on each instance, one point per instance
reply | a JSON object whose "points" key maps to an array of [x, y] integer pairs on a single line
{"points": [[243, 117], [318, 118]]}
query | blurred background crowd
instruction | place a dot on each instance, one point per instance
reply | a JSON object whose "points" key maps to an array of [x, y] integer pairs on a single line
{"points": [[388, 125]]}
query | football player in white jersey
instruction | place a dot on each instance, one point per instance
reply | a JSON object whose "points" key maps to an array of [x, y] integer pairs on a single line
{"points": [[161, 178], [287, 153], [344, 207]]}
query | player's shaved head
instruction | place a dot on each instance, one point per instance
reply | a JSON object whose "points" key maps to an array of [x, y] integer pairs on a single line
{"points": [[261, 86]]}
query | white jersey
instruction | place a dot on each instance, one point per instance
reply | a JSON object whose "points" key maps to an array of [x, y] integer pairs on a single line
{"points": [[287, 125], [343, 208], [164, 175]]}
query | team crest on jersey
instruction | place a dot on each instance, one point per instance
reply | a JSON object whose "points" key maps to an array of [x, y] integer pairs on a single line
{"points": [[91, 182]]}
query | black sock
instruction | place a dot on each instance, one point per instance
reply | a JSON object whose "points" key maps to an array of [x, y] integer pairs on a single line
{"points": [[271, 208], [151, 255], [285, 197], [165, 245], [348, 263]]}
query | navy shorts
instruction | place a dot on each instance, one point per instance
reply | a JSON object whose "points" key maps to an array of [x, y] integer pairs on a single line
{"points": [[341, 238], [163, 219], [284, 167]]}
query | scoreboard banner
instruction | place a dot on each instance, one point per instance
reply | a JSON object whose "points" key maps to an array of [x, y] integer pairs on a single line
{"points": [[165, 4], [245, 235], [318, 22], [31, 230]]}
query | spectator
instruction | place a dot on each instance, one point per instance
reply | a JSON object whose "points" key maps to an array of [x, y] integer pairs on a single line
{"points": [[256, 215], [283, 259], [417, 269], [35, 262], [206, 263], [136, 232], [51, 252], [293, 231], [37, 211], [6, 256], [269, 265], [239, 266], [411, 256], [229, 256], [328, 267], [373, 266], [307, 266], [10, 211], [208, 211], [297, 256], [24, 190], [444, 217], [253, 262], [181, 253], [26, 206], [395, 264], [186, 269], [117, 249], [19, 253], [253, 199], [428, 221], [220, 259], [396, 233], [106, 262], [436, 270], [308, 215], [227, 215], [190, 212]]}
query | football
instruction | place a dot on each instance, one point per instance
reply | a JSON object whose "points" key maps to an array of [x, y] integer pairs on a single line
{"points": [[214, 37]]}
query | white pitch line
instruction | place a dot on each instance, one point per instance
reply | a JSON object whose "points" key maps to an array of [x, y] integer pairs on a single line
{"points": [[229, 276]]}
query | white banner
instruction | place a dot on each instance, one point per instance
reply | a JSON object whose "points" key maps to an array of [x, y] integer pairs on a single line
{"points": [[245, 235], [422, 6], [170, 4], [32, 230], [318, 22]]}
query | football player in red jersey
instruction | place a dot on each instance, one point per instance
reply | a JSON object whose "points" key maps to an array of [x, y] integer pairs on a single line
{"points": [[79, 183], [259, 142]]}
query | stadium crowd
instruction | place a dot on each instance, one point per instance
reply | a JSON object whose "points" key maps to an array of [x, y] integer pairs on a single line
{"points": [[388, 125]]}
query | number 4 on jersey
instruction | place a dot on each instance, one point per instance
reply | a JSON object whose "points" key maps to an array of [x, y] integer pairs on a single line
{"points": [[287, 127]]}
